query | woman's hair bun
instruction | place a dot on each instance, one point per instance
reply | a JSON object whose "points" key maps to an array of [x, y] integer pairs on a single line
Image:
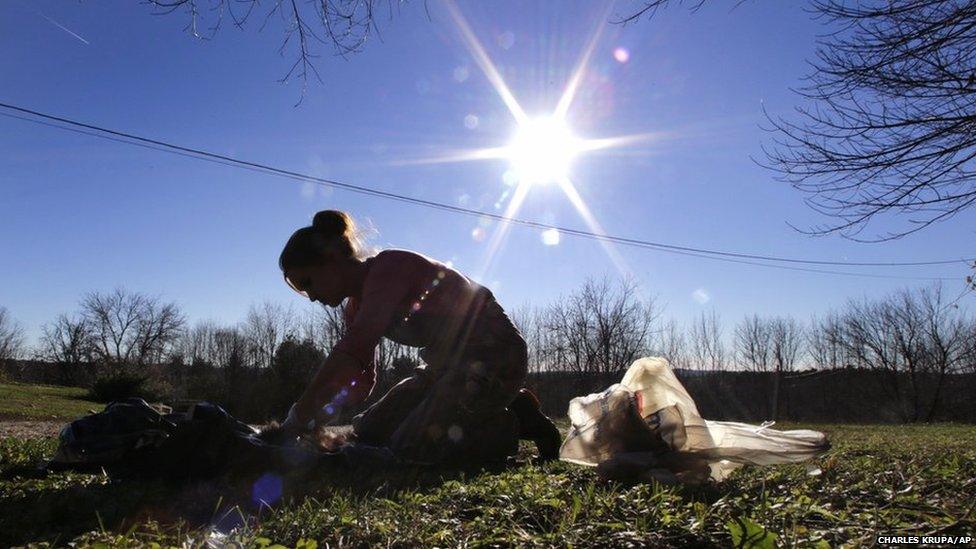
{"points": [[332, 232], [332, 223]]}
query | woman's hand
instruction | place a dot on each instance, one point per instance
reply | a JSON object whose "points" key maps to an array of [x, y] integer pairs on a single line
{"points": [[294, 425], [340, 374]]}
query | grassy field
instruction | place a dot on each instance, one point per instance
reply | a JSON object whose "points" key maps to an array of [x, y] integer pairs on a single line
{"points": [[909, 480], [18, 401]]}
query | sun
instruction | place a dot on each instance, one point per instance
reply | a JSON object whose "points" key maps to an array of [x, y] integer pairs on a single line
{"points": [[542, 150]]}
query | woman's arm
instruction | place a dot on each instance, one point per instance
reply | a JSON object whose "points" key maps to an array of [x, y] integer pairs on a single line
{"points": [[388, 284], [339, 371]]}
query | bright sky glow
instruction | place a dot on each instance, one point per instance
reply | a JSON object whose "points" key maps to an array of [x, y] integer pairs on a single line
{"points": [[542, 151]]}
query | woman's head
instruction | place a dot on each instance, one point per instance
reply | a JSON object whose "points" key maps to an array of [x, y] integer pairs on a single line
{"points": [[316, 259]]}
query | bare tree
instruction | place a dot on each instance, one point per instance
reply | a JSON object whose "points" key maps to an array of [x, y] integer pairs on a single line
{"points": [[894, 109], [786, 338], [530, 321], [571, 333], [967, 364], [307, 25], [649, 8], [947, 335], [209, 344], [230, 349], [914, 339], [770, 346], [266, 327], [887, 128], [130, 328], [866, 333], [11, 337], [670, 343], [547, 339], [753, 344], [68, 343], [195, 346], [824, 343], [601, 328], [67, 340], [707, 348], [324, 326], [158, 327], [623, 323]]}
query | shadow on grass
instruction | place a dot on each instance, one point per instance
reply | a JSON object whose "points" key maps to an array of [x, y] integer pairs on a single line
{"points": [[57, 507]]}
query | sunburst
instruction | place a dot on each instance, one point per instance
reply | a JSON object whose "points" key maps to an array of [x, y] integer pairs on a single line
{"points": [[542, 148]]}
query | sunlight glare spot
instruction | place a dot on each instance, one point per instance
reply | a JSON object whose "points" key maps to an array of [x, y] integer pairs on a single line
{"points": [[622, 55], [550, 237], [542, 150], [471, 121], [478, 234]]}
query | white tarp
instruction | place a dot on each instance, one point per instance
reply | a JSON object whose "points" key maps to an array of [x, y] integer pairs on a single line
{"points": [[647, 426]]}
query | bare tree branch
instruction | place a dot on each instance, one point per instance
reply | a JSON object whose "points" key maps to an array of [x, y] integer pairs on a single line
{"points": [[889, 129], [11, 337], [886, 128], [307, 25]]}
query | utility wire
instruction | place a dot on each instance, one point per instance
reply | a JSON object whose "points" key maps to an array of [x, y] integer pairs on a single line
{"points": [[691, 254], [735, 257]]}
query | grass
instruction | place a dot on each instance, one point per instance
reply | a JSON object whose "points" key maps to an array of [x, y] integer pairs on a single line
{"points": [[908, 480], [21, 401]]}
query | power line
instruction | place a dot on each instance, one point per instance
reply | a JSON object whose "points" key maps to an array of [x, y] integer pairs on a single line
{"points": [[735, 257]]}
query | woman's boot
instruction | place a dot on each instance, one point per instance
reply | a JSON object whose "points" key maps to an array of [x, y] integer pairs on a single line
{"points": [[535, 426]]}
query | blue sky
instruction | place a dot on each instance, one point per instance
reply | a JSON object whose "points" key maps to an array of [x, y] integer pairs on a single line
{"points": [[79, 214]]}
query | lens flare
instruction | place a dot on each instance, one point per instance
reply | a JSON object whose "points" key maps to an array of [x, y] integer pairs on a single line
{"points": [[267, 489], [550, 237], [622, 55]]}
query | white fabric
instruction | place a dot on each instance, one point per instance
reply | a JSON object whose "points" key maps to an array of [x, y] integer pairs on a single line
{"points": [[647, 426]]}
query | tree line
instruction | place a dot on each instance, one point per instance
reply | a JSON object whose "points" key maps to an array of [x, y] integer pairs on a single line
{"points": [[913, 344], [909, 354]]}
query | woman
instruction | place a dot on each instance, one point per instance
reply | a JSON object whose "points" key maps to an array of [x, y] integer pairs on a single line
{"points": [[466, 403]]}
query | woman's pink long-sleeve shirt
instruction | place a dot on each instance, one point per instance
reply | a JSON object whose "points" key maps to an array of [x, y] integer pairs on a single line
{"points": [[413, 300]]}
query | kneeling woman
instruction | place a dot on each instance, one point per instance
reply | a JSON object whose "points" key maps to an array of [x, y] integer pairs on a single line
{"points": [[466, 403]]}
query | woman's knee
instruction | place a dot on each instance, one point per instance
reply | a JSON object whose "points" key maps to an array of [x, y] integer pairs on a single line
{"points": [[377, 423]]}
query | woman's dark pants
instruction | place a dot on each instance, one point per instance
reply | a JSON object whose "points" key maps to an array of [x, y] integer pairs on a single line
{"points": [[455, 410]]}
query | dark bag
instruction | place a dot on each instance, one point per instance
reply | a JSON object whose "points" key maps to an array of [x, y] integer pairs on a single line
{"points": [[131, 439]]}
